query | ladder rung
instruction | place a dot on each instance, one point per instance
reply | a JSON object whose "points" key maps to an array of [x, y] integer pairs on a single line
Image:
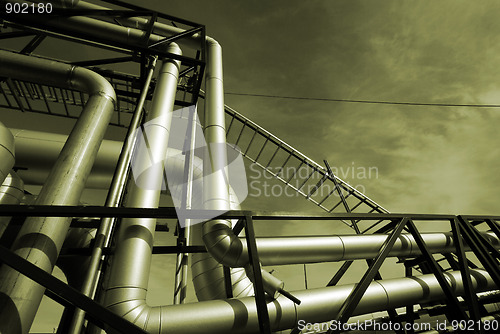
{"points": [[361, 201], [28, 90], [15, 95], [230, 124], [327, 196], [73, 96], [295, 172], [274, 154], [241, 132], [317, 186], [284, 164], [336, 205], [340, 200], [303, 183], [250, 143], [5, 96], [262, 148]]}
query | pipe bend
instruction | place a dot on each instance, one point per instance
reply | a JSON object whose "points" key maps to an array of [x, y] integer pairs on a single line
{"points": [[224, 246], [212, 42], [90, 82]]}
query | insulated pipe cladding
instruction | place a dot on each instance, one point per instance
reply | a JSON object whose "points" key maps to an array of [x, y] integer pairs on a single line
{"points": [[6, 152], [11, 192], [40, 239], [318, 305], [126, 288]]}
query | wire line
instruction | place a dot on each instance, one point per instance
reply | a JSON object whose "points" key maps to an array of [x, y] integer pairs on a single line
{"points": [[369, 101]]}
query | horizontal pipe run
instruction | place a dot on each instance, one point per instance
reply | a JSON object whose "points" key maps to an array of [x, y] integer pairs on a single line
{"points": [[37, 151], [238, 316], [315, 249]]}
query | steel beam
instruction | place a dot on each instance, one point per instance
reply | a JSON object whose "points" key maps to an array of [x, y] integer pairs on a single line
{"points": [[260, 299], [355, 296], [455, 312]]}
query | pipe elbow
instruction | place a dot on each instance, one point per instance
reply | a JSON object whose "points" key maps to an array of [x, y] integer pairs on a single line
{"points": [[90, 82], [136, 311], [224, 246], [211, 42], [173, 48]]}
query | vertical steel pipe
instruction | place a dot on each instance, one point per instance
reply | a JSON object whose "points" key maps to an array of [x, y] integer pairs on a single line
{"points": [[181, 266], [113, 199], [126, 288], [40, 239], [6, 152], [11, 192]]}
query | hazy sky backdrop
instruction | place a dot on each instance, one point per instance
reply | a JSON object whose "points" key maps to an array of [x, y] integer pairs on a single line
{"points": [[428, 159]]}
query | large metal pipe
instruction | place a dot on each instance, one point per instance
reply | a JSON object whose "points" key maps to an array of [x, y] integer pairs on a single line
{"points": [[126, 288], [37, 151], [315, 249], [113, 199], [11, 192], [40, 239], [318, 305], [6, 152]]}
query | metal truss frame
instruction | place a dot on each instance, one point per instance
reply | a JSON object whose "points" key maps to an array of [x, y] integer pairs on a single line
{"points": [[126, 86]]}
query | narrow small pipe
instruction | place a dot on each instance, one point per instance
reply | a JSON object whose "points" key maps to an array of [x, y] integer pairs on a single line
{"points": [[40, 239], [181, 268]]}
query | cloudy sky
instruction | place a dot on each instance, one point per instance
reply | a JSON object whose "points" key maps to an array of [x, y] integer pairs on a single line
{"points": [[429, 159]]}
